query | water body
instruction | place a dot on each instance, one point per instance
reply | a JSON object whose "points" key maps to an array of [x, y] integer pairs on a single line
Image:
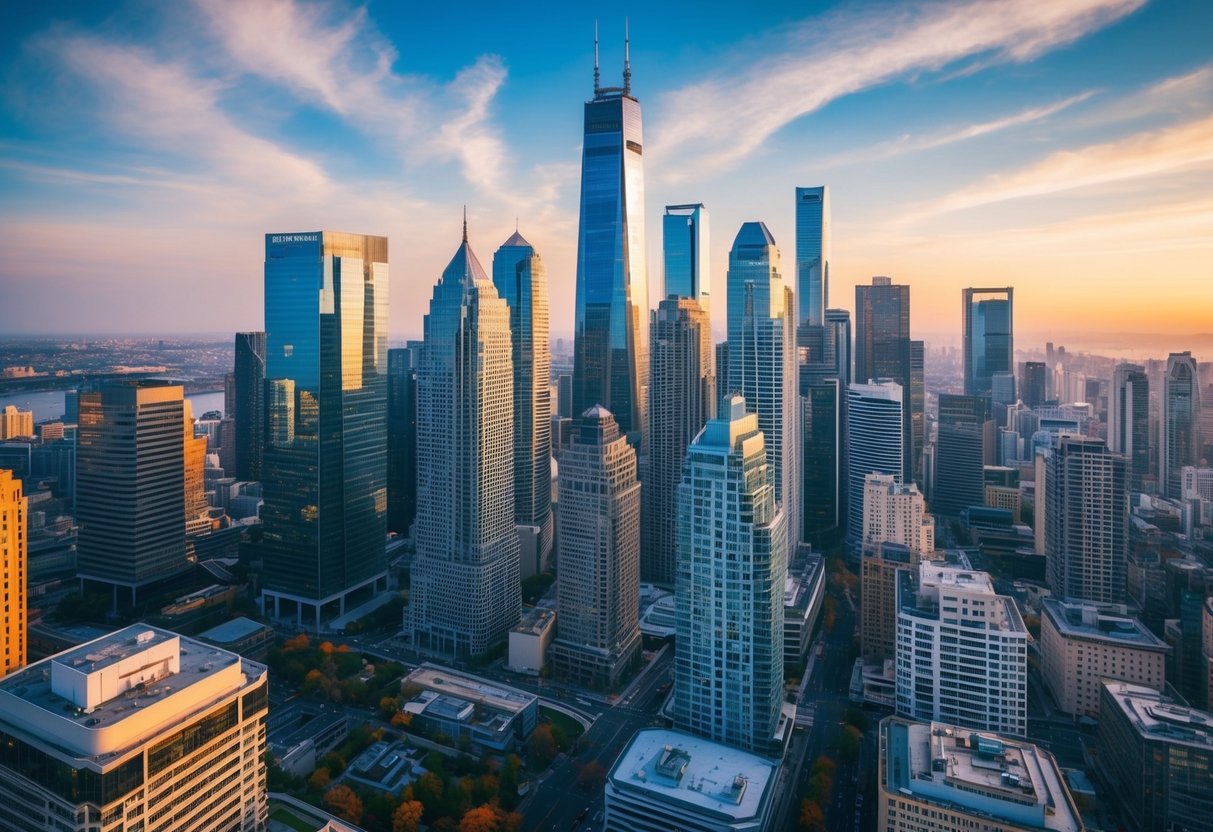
{"points": [[48, 404]]}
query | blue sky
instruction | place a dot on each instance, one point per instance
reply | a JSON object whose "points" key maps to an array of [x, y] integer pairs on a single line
{"points": [[1061, 146]]}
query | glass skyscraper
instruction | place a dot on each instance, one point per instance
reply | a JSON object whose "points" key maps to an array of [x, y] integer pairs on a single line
{"points": [[964, 446], [610, 349], [883, 351], [825, 373], [684, 247], [812, 255], [402, 437], [989, 337], [1180, 422], [248, 383], [324, 474], [1129, 420], [875, 441]]}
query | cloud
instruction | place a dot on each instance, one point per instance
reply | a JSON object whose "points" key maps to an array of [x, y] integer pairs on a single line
{"points": [[717, 122]]}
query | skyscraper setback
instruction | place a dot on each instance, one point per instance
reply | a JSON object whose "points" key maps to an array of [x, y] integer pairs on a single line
{"points": [[610, 348]]}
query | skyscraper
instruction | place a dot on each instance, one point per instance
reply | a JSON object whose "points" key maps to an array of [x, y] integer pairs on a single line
{"points": [[130, 485], [812, 255], [918, 403], [14, 570], [197, 510], [248, 400], [989, 337], [1129, 421], [610, 364], [324, 469], [964, 445], [1086, 521], [598, 584], [825, 373], [762, 359], [465, 581], [1032, 386], [682, 390], [521, 280], [875, 442], [1180, 421], [684, 247], [732, 563], [883, 350], [402, 437]]}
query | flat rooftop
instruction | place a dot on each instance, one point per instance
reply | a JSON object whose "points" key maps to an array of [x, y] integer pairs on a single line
{"points": [[1089, 622], [443, 680], [1159, 718], [234, 630], [708, 776], [535, 621]]}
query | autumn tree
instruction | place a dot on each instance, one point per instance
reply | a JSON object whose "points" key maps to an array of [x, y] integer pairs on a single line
{"points": [[541, 747], [811, 817], [408, 816], [319, 781], [484, 818], [344, 803]]}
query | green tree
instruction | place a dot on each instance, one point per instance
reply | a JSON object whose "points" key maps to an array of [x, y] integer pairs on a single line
{"points": [[541, 747]]}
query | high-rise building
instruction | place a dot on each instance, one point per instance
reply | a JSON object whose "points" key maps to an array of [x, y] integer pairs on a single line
{"points": [[812, 255], [1032, 387], [732, 563], [324, 469], [610, 364], [684, 248], [139, 729], [197, 510], [682, 389], [875, 443], [14, 569], [762, 359], [989, 337], [1180, 439], [521, 280], [897, 513], [982, 686], [465, 581], [598, 584], [402, 437], [248, 401], [1129, 421], [1086, 521], [965, 444], [16, 423], [883, 351], [130, 485], [825, 372], [918, 403]]}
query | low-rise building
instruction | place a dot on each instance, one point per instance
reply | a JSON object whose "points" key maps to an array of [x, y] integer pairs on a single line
{"points": [[667, 780], [493, 717], [1082, 644], [529, 640], [386, 766], [945, 778], [245, 636]]}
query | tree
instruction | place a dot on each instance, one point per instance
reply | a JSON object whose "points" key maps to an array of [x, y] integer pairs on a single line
{"points": [[408, 816], [811, 818], [319, 781], [486, 818], [342, 802], [541, 747], [299, 642], [848, 743], [592, 776]]}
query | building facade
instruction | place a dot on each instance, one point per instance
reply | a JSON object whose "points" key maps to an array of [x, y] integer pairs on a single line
{"points": [[883, 351], [896, 513], [825, 373], [989, 337], [1129, 421], [248, 404], [16, 423], [685, 253], [14, 569], [402, 437], [875, 442], [812, 255], [964, 445], [1180, 427]]}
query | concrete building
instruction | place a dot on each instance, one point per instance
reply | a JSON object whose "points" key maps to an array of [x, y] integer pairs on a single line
{"points": [[251, 639], [1083, 644], [530, 639], [16, 423], [667, 780], [946, 778], [896, 513], [961, 651], [493, 717], [1155, 758], [139, 729], [14, 566], [803, 593]]}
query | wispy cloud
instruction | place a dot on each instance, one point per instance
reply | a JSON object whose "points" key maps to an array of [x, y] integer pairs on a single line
{"points": [[717, 122]]}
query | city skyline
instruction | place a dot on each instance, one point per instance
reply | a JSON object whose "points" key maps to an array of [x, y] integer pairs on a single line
{"points": [[942, 154]]}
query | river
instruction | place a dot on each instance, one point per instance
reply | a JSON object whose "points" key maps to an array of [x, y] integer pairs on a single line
{"points": [[48, 404]]}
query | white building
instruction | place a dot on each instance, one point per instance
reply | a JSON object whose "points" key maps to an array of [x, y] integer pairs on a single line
{"points": [[668, 780], [529, 640], [962, 651], [140, 729], [896, 513], [875, 442]]}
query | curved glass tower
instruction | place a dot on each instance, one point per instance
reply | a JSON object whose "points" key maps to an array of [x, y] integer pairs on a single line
{"points": [[610, 350]]}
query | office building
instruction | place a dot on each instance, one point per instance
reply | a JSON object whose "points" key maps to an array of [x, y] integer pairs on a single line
{"points": [[989, 337], [1206, 649], [521, 280], [598, 584], [918, 404], [1155, 758], [610, 361], [1180, 428], [248, 404], [490, 718], [684, 248], [803, 595], [732, 562], [564, 396], [16, 423], [682, 387], [878, 568], [896, 513], [465, 580], [402, 438], [875, 442], [812, 255], [197, 510], [324, 469], [1086, 520], [883, 351], [825, 372], [762, 359], [949, 778], [963, 446], [1082, 644], [139, 729], [1129, 421], [1033, 390], [14, 569], [961, 651], [130, 486], [667, 780]]}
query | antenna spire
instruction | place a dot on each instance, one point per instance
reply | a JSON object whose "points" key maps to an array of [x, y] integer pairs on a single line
{"points": [[627, 61], [465, 223], [597, 86]]}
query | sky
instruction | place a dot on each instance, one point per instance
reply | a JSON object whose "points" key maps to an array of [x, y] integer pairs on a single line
{"points": [[1063, 147]]}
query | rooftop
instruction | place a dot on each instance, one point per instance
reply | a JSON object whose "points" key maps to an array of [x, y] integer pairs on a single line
{"points": [[234, 630], [1160, 718], [535, 621], [1092, 622], [452, 683], [708, 776]]}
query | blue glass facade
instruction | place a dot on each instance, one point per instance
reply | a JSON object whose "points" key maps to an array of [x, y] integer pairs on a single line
{"points": [[324, 470], [812, 255], [989, 345], [684, 248]]}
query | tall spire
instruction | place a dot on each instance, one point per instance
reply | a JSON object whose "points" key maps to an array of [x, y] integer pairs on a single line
{"points": [[627, 61], [465, 223], [597, 86]]}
